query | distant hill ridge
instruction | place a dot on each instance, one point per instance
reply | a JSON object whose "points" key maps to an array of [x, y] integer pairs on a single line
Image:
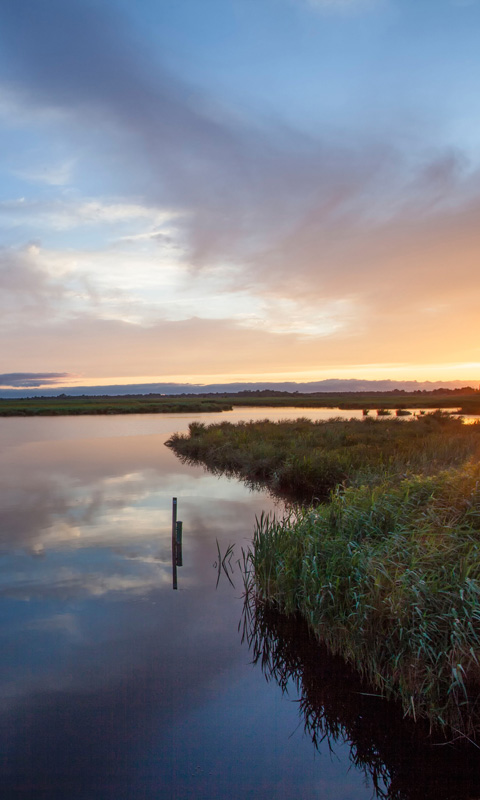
{"points": [[334, 385]]}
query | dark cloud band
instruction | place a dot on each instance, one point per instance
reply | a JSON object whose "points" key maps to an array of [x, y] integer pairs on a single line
{"points": [[32, 379]]}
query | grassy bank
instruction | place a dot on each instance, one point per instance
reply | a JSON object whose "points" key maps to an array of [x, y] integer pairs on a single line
{"points": [[389, 578], [387, 573], [388, 402], [135, 404], [305, 460], [452, 399]]}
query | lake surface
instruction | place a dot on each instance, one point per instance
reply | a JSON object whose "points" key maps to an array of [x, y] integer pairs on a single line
{"points": [[115, 686]]}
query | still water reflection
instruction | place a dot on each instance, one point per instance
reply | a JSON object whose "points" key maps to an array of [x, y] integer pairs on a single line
{"points": [[113, 685], [401, 759]]}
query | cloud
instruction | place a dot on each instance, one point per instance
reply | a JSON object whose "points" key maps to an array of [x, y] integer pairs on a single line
{"points": [[58, 174], [66, 214], [316, 236], [33, 379], [241, 183], [168, 350], [26, 290], [40, 285], [65, 623]]}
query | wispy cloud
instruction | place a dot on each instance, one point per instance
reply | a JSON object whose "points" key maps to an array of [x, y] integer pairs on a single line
{"points": [[59, 174], [65, 213]]}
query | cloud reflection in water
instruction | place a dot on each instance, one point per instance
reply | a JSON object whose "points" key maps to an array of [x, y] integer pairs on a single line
{"points": [[106, 669]]}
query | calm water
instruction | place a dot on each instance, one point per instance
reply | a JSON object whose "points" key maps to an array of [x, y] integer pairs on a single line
{"points": [[115, 686]]}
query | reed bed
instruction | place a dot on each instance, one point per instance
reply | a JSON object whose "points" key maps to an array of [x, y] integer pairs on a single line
{"points": [[389, 578]]}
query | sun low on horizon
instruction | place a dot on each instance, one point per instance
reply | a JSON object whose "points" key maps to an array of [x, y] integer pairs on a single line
{"points": [[239, 191]]}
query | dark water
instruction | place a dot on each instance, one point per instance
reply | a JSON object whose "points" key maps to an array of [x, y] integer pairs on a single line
{"points": [[115, 686]]}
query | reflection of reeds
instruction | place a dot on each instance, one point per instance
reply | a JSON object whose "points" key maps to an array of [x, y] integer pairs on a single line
{"points": [[223, 564], [401, 759]]}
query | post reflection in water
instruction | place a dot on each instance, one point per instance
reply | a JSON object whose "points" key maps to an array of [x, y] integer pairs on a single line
{"points": [[402, 759], [177, 545]]}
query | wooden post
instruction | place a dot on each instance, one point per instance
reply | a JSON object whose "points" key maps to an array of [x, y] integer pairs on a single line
{"points": [[174, 516], [179, 544], [174, 542]]}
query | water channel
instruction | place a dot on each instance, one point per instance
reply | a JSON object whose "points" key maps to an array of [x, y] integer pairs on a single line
{"points": [[115, 686]]}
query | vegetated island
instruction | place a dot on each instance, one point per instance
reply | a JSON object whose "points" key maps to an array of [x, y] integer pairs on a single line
{"points": [[466, 400], [381, 552]]}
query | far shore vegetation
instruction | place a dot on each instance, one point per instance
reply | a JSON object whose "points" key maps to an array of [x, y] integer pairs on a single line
{"points": [[379, 550], [396, 402], [65, 405]]}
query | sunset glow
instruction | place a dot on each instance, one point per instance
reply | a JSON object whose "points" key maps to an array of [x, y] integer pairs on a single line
{"points": [[239, 191]]}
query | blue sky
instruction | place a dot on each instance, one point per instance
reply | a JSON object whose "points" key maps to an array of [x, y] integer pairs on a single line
{"points": [[239, 190]]}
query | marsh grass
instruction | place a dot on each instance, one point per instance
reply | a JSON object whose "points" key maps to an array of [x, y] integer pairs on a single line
{"points": [[303, 460], [389, 578], [79, 406]]}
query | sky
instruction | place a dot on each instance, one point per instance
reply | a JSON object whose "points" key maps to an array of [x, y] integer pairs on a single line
{"points": [[239, 190]]}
